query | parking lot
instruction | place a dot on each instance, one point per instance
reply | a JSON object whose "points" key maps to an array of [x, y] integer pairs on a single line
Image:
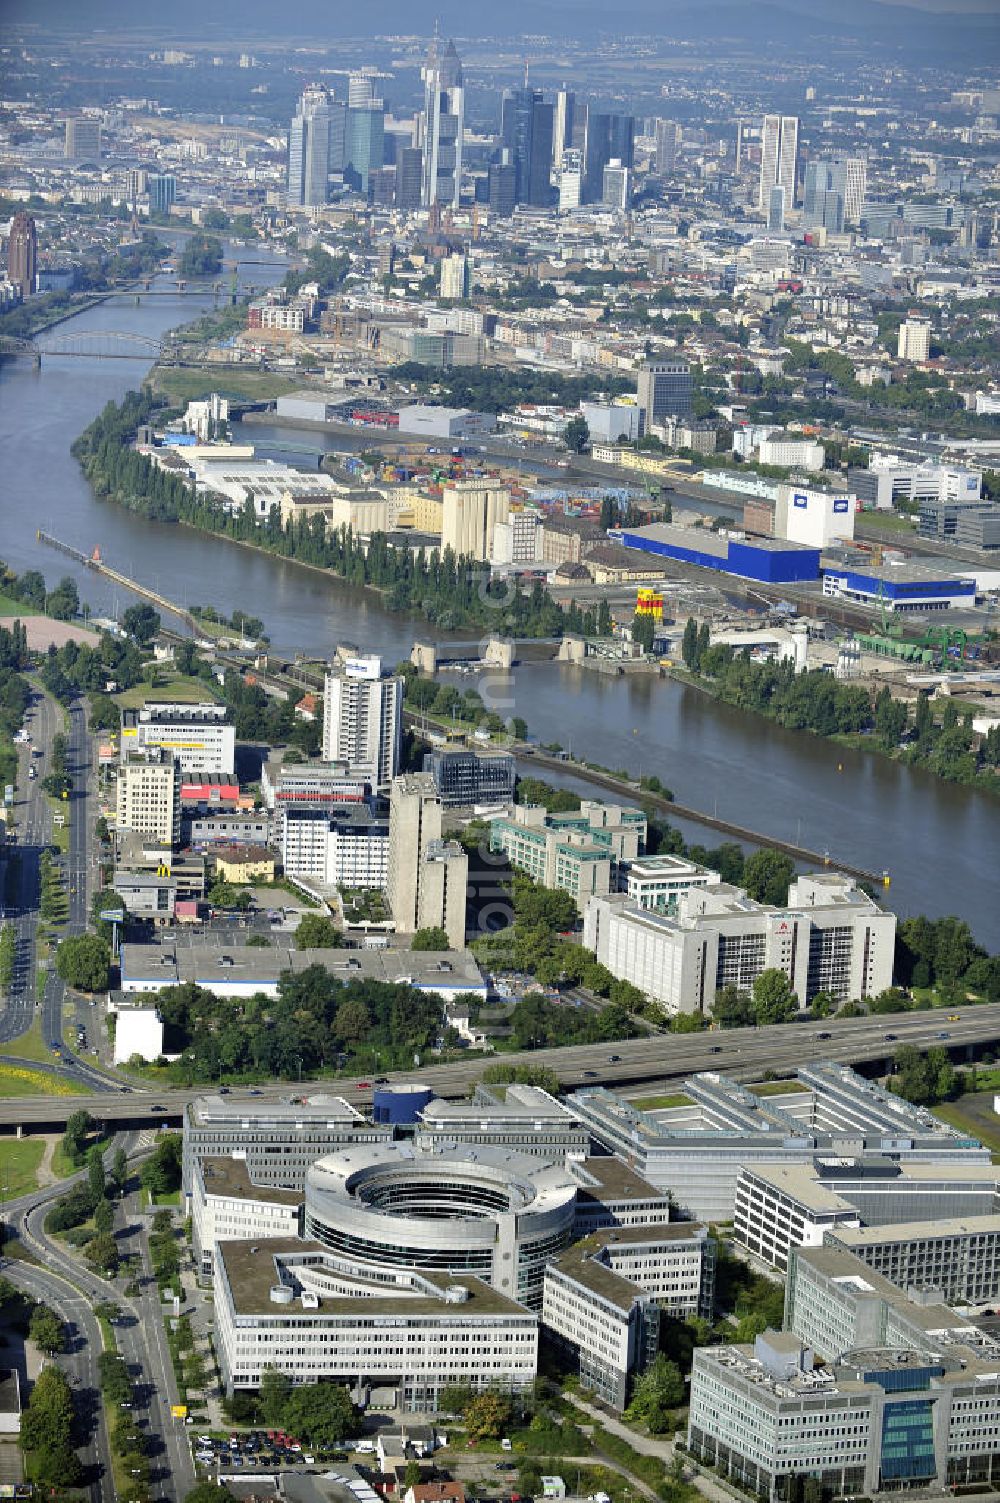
{"points": [[252, 1449]]}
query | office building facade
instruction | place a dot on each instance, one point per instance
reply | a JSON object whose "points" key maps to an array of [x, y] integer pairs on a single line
{"points": [[664, 390], [200, 736], [914, 340], [309, 150], [779, 159], [443, 124], [162, 190], [428, 876], [463, 777], [526, 131], [667, 137], [148, 798], [83, 139]]}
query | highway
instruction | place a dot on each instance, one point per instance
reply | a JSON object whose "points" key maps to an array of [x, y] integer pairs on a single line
{"points": [[639, 1066]]}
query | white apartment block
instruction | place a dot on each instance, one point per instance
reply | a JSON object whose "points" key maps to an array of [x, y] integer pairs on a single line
{"points": [[149, 795], [914, 341], [363, 719], [348, 847], [198, 735], [830, 938], [295, 1306], [226, 1206]]}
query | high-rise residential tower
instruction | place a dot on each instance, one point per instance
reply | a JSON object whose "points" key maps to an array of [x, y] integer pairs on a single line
{"points": [[309, 150], [443, 125], [363, 719], [22, 253], [779, 158]]}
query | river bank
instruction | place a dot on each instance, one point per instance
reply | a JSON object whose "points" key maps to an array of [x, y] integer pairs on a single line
{"points": [[939, 839]]}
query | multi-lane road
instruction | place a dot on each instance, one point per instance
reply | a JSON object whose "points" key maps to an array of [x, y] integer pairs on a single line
{"points": [[634, 1066]]}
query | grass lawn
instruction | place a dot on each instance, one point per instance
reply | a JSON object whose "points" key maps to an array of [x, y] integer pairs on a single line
{"points": [[30, 1045], [18, 1080], [171, 1198], [19, 1161], [179, 686], [886, 521], [60, 833], [661, 1103], [11, 607], [181, 386], [777, 1088], [974, 1114], [63, 1166]]}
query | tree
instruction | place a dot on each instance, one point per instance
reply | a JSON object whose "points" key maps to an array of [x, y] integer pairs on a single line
{"points": [[411, 1475], [96, 1179], [434, 938], [104, 1217], [47, 1330], [320, 1414], [119, 1171], [766, 876], [275, 1388], [658, 1390], [913, 1079], [84, 962], [488, 1415], [576, 435], [352, 1021], [142, 623], [101, 1252], [316, 931], [161, 1173], [733, 1008], [774, 1001], [689, 644], [79, 1127]]}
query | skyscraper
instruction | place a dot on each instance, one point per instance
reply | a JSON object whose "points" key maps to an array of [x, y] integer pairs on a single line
{"points": [[845, 177], [443, 125], [617, 192], [162, 188], [667, 136], [83, 139], [409, 177], [822, 204], [455, 277], [664, 390], [365, 147], [609, 135], [776, 210], [779, 158], [22, 253], [309, 150], [502, 185], [562, 125], [363, 719], [362, 91], [570, 180], [527, 134]]}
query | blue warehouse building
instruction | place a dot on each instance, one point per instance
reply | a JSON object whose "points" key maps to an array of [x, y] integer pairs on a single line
{"points": [[907, 587], [768, 560]]}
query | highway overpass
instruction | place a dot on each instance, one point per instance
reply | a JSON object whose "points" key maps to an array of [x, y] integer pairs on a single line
{"points": [[744, 1053]]}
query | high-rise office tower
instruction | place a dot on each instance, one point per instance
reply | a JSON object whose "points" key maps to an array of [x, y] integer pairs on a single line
{"points": [[409, 177], [609, 136], [309, 150], [779, 158], [664, 390], [362, 91], [562, 125], [527, 135], [443, 125], [845, 177], [22, 253], [363, 719], [914, 341], [162, 190], [365, 147], [502, 185], [149, 795], [776, 210], [570, 180], [83, 139], [617, 193], [667, 135], [822, 203], [336, 156]]}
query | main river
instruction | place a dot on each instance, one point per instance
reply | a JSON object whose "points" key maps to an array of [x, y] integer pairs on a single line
{"points": [[940, 842]]}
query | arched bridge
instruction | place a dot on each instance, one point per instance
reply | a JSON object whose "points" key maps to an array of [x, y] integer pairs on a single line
{"points": [[93, 344]]}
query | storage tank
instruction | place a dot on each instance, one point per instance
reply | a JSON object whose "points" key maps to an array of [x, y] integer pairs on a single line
{"points": [[399, 1105]]}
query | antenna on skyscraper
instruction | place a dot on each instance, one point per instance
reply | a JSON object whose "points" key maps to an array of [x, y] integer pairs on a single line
{"points": [[525, 72]]}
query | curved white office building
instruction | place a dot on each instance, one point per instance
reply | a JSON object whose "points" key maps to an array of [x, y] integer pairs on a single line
{"points": [[486, 1212]]}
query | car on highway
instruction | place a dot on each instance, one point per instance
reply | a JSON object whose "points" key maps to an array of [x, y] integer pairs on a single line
{"points": [[823, 1035], [363, 1085], [614, 1059], [889, 1038], [944, 1034], [954, 1017]]}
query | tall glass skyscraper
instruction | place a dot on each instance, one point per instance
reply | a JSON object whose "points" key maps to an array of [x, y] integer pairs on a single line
{"points": [[779, 158], [527, 135], [309, 150], [443, 125]]}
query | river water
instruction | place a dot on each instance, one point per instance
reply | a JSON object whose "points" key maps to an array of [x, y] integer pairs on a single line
{"points": [[940, 842]]}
